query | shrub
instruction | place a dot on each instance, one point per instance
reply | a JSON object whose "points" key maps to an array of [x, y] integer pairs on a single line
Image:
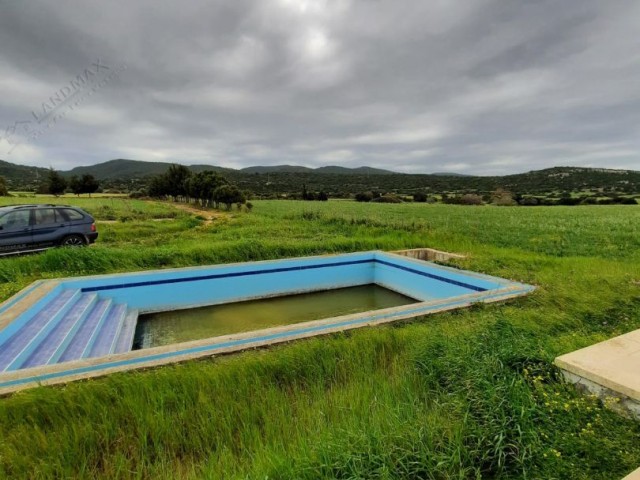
{"points": [[138, 194], [387, 199], [364, 197], [529, 201], [471, 199], [503, 198], [4, 191], [420, 197], [568, 201]]}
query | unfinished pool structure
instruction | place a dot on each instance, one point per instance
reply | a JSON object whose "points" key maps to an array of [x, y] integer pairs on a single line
{"points": [[55, 331]]}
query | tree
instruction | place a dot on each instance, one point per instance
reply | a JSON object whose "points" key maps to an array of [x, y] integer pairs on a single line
{"points": [[177, 177], [202, 185], [89, 184], [4, 191], [420, 197], [228, 195], [86, 184], [75, 185], [56, 184]]}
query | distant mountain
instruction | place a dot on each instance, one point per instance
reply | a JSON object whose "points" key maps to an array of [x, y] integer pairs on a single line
{"points": [[131, 169], [123, 174], [449, 174], [353, 171], [21, 173], [334, 169], [277, 169]]}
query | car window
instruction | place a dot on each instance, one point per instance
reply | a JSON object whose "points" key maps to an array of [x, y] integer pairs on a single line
{"points": [[45, 216], [14, 220], [73, 214]]}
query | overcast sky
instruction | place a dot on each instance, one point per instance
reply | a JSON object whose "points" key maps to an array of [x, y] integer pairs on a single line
{"points": [[472, 86]]}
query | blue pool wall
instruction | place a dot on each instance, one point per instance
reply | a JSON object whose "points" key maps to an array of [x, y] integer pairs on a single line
{"points": [[426, 281], [186, 288], [198, 286]]}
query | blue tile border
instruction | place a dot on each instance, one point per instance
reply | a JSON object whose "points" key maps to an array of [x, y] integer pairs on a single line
{"points": [[279, 270], [434, 276]]}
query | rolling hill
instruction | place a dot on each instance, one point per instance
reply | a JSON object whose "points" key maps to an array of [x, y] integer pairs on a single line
{"points": [[131, 169], [124, 174]]}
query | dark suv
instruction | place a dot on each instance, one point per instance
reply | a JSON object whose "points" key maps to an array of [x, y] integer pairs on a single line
{"points": [[38, 227]]}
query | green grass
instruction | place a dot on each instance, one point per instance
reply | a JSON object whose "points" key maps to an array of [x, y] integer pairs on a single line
{"points": [[466, 394]]}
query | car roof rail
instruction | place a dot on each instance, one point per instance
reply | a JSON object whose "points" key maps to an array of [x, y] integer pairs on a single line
{"points": [[32, 205]]}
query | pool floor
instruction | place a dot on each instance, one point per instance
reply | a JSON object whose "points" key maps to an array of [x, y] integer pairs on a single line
{"points": [[178, 326]]}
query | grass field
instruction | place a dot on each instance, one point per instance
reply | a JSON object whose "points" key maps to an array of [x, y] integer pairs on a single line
{"points": [[467, 394]]}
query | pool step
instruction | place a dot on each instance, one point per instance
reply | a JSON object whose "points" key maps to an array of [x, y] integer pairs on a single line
{"points": [[124, 341], [107, 335], [15, 350], [52, 344], [78, 344], [73, 325]]}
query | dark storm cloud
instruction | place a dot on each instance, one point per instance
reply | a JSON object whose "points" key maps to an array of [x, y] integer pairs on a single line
{"points": [[482, 86]]}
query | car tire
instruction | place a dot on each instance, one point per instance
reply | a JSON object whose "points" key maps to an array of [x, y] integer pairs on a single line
{"points": [[73, 241]]}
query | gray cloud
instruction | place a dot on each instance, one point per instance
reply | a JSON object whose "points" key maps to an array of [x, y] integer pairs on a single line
{"points": [[486, 86]]}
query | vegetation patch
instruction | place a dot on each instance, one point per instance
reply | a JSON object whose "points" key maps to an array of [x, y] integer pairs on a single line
{"points": [[466, 394]]}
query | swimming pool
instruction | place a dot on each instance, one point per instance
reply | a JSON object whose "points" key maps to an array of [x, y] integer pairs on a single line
{"points": [[60, 330]]}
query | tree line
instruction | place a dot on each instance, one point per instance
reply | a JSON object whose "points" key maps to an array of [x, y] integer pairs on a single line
{"points": [[207, 188], [56, 184]]}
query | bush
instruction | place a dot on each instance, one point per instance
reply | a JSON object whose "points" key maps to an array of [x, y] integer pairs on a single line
{"points": [[503, 198], [529, 201], [4, 191], [420, 197], [138, 194], [387, 199], [364, 197], [471, 199], [568, 201]]}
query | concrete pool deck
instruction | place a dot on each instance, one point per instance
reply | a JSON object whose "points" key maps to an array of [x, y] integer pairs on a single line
{"points": [[610, 370]]}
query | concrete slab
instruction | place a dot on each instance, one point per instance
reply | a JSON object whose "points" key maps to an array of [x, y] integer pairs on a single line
{"points": [[613, 364], [428, 254], [635, 475]]}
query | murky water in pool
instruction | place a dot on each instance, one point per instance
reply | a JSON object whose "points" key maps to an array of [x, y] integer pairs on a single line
{"points": [[183, 325]]}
